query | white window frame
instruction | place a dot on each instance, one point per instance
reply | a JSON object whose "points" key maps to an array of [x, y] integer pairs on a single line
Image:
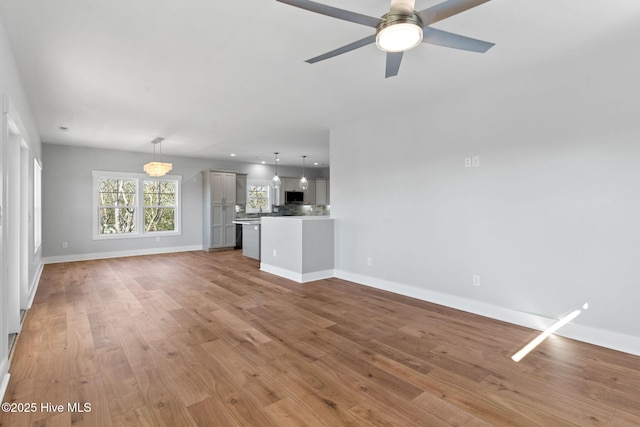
{"points": [[261, 183], [139, 205]]}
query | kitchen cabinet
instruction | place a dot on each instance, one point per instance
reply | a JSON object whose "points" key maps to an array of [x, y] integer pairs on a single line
{"points": [[241, 189], [251, 240], [292, 184], [288, 184], [322, 192], [310, 193], [219, 210]]}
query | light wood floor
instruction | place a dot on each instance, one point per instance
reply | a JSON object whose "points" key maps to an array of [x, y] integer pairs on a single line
{"points": [[207, 339]]}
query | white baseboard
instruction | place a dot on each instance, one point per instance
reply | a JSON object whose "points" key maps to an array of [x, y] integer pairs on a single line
{"points": [[297, 277], [34, 285], [4, 378], [118, 254], [318, 275], [613, 340]]}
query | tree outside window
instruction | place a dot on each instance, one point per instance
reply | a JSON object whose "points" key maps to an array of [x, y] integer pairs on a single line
{"points": [[159, 205], [133, 205], [258, 198], [117, 202]]}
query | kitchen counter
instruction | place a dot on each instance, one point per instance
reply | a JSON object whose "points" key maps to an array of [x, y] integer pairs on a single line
{"points": [[299, 248], [247, 221]]}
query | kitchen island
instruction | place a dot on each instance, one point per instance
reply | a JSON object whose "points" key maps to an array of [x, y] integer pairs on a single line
{"points": [[298, 248], [250, 236]]}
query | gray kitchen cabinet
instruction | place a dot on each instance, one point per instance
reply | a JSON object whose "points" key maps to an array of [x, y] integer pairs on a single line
{"points": [[292, 184], [241, 189], [251, 240], [310, 193], [322, 192], [288, 184], [219, 210]]}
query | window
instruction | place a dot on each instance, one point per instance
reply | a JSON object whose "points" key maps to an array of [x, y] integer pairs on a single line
{"points": [[134, 205], [117, 205], [37, 206], [258, 197], [159, 205]]}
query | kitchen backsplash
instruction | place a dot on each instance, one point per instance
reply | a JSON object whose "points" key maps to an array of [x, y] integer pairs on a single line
{"points": [[286, 210]]}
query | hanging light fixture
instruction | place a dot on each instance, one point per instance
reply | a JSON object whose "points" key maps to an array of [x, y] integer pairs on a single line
{"points": [[304, 183], [275, 181], [154, 168]]}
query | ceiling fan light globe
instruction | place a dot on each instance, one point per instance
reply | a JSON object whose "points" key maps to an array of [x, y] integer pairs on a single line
{"points": [[399, 37]]}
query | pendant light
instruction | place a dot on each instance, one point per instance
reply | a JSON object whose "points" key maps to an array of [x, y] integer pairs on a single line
{"points": [[275, 181], [154, 168], [304, 183]]}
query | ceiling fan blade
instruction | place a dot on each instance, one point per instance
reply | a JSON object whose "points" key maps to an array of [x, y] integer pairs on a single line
{"points": [[456, 41], [351, 46], [446, 9], [334, 12], [402, 7], [393, 63]]}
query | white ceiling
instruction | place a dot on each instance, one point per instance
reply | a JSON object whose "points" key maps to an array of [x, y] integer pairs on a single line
{"points": [[219, 77]]}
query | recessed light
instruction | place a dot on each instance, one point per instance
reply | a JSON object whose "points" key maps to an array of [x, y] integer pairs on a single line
{"points": [[315, 163], [263, 162], [232, 154]]}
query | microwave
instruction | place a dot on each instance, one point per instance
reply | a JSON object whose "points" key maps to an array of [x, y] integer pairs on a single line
{"points": [[293, 197]]}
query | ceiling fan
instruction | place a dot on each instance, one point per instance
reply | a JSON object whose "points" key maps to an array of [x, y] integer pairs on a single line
{"points": [[401, 29]]}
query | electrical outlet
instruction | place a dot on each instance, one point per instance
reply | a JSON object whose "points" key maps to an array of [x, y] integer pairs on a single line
{"points": [[476, 280], [65, 245], [369, 262], [274, 253], [467, 162], [475, 162]]}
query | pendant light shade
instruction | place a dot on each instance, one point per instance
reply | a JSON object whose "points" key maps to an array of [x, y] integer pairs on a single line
{"points": [[154, 168], [304, 183], [157, 168], [275, 181]]}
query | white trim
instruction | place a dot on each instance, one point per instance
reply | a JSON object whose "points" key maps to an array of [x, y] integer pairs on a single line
{"points": [[4, 383], [317, 275], [119, 254], [287, 274], [297, 277], [600, 337], [34, 285], [138, 175]]}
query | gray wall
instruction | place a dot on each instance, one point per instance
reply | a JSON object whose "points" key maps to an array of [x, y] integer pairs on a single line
{"points": [[11, 89], [550, 220], [67, 199]]}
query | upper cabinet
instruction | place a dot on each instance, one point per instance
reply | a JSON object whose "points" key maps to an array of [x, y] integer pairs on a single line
{"points": [[292, 184], [310, 193], [223, 187], [288, 184], [322, 192], [241, 189]]}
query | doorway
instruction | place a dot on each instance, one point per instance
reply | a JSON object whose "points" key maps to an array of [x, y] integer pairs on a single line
{"points": [[14, 225]]}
